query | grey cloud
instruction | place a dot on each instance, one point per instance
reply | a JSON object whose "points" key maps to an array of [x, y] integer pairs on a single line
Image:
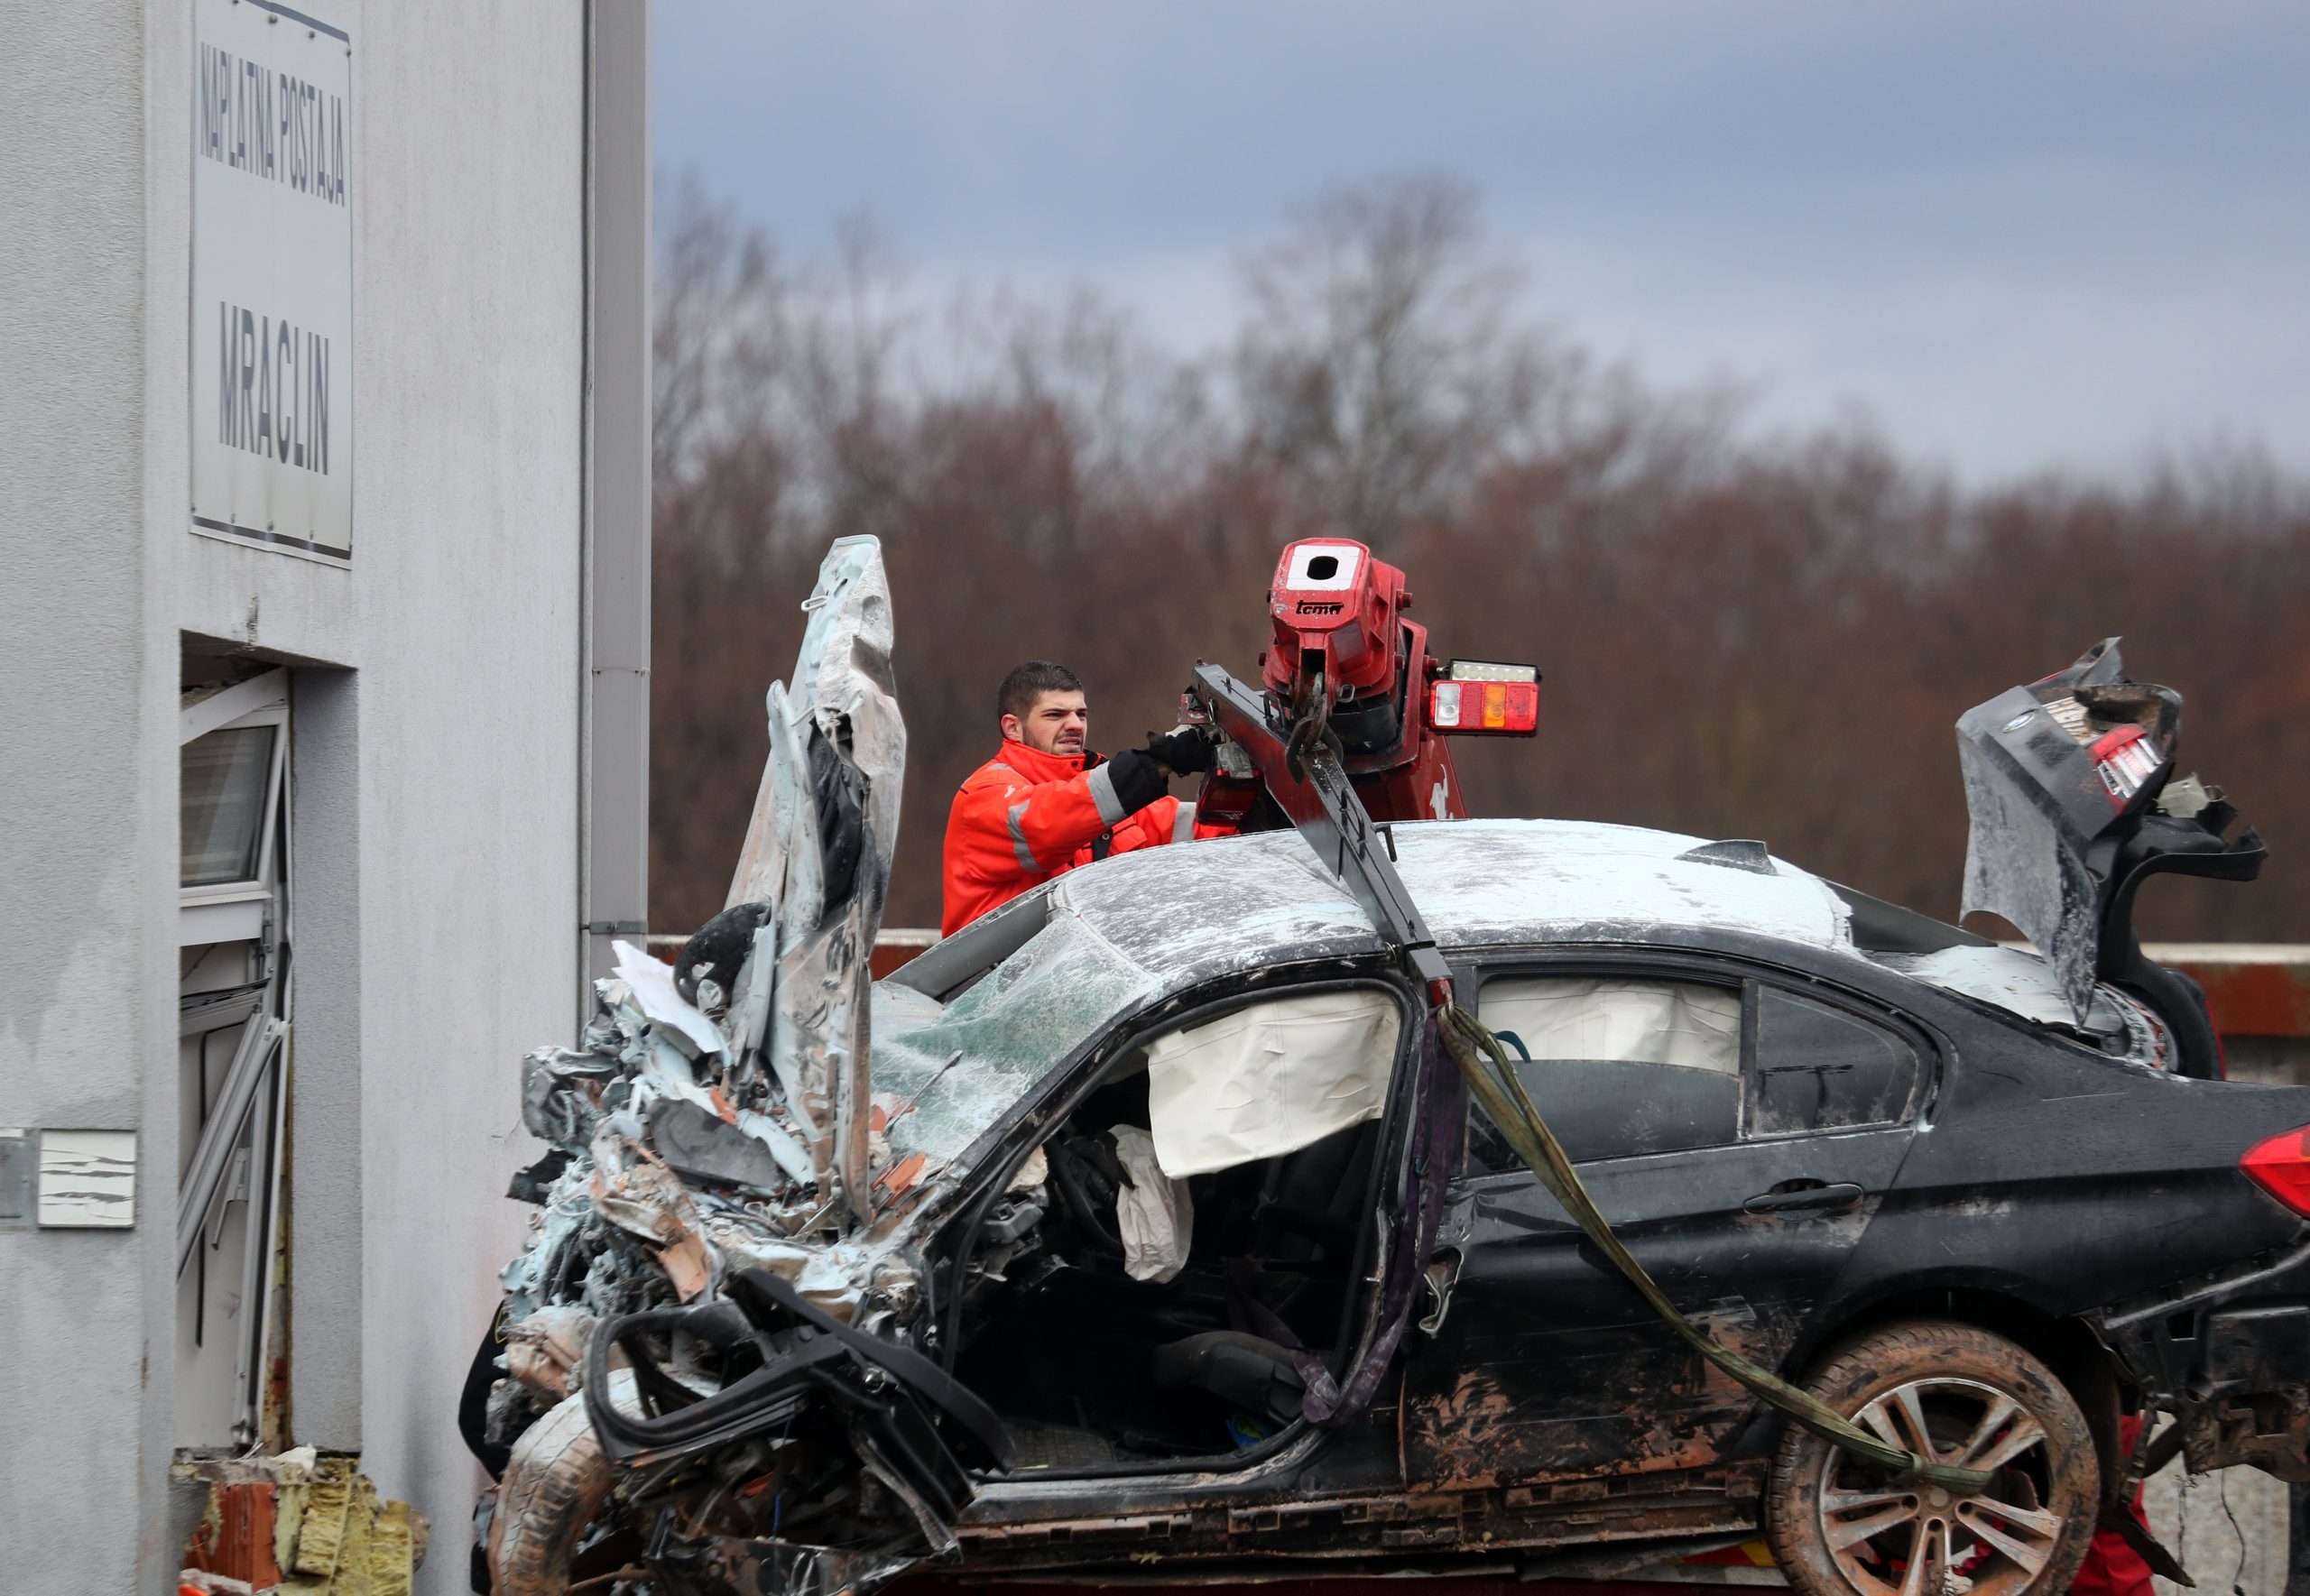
{"points": [[2021, 234]]}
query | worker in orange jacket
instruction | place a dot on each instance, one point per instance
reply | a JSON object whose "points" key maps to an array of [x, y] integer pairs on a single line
{"points": [[1045, 804]]}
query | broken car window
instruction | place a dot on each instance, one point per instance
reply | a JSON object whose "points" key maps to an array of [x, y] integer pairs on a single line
{"points": [[1617, 1067], [1819, 1068], [947, 1073]]}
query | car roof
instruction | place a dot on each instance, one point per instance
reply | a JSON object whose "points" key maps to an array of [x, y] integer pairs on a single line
{"points": [[1190, 913]]}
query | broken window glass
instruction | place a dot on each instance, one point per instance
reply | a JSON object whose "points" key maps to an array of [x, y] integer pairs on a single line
{"points": [[1819, 1068], [1617, 1067], [952, 1071]]}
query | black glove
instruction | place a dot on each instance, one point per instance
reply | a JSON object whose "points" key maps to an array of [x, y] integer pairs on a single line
{"points": [[1135, 779], [1189, 752]]}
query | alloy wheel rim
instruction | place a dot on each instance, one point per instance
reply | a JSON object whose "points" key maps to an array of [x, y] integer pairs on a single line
{"points": [[1890, 1539]]}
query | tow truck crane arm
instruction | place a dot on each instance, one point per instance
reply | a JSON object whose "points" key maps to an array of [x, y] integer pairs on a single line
{"points": [[1344, 656], [1308, 784]]}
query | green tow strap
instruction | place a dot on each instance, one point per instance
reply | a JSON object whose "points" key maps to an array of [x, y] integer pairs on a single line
{"points": [[1492, 1079]]}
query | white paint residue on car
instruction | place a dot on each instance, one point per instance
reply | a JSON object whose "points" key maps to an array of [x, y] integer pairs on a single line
{"points": [[2021, 983], [1476, 880], [1229, 904]]}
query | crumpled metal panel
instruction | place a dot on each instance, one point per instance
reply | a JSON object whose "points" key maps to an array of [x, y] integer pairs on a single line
{"points": [[691, 1142], [724, 1566], [2045, 818], [818, 851], [715, 1118], [2022, 861]]}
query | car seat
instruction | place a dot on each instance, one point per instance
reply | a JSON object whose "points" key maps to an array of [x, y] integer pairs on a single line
{"points": [[1246, 1372]]}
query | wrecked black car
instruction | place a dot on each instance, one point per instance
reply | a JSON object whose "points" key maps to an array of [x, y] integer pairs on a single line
{"points": [[1149, 1225]]}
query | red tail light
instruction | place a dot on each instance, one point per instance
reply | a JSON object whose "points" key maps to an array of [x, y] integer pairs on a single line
{"points": [[2281, 1167], [2124, 759]]}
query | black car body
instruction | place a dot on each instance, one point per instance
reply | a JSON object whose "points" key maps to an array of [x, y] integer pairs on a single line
{"points": [[847, 1310], [2068, 1190]]}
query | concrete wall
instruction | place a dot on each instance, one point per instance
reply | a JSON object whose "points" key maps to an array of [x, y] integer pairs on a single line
{"points": [[437, 727], [436, 811], [2229, 1528], [87, 707], [468, 568]]}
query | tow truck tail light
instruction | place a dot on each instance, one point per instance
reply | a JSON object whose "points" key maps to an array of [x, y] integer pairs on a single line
{"points": [[1474, 695], [2281, 1167]]}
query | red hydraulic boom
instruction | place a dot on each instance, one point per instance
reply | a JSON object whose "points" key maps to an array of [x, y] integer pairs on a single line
{"points": [[1346, 668]]}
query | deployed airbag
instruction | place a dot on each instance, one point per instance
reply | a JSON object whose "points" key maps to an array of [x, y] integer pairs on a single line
{"points": [[1153, 1214], [1269, 1079], [1624, 1066], [1666, 1023]]}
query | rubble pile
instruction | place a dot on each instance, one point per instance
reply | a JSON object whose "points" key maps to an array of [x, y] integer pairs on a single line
{"points": [[299, 1524]]}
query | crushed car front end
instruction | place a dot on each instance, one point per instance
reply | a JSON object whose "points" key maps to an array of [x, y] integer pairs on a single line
{"points": [[712, 1382]]}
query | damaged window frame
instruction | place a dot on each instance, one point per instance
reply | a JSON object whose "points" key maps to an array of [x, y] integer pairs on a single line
{"points": [[1017, 935], [952, 965], [1747, 974], [1038, 1116]]}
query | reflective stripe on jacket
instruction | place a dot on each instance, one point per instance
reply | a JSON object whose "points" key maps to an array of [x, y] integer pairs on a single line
{"points": [[1025, 817]]}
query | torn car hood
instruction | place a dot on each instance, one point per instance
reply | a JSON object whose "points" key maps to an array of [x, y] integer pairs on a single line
{"points": [[718, 1111], [712, 1155]]}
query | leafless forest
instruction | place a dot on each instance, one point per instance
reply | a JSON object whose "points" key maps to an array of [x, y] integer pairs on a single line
{"points": [[1740, 635]]}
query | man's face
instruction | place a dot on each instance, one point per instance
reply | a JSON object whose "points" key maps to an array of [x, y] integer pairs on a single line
{"points": [[1058, 724]]}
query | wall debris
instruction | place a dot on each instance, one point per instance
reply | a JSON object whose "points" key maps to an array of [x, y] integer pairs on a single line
{"points": [[302, 1523]]}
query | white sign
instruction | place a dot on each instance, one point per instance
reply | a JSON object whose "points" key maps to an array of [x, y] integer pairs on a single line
{"points": [[87, 1179], [273, 279]]}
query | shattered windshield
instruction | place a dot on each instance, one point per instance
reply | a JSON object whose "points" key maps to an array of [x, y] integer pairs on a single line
{"points": [[944, 1075]]}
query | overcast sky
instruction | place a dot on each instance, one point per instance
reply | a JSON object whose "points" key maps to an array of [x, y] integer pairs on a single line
{"points": [[2017, 234]]}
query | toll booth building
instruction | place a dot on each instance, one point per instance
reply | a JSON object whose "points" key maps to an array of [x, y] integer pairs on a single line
{"points": [[324, 477]]}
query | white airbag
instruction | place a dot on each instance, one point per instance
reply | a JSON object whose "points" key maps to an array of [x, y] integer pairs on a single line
{"points": [[1154, 1212], [1269, 1079], [1670, 1022]]}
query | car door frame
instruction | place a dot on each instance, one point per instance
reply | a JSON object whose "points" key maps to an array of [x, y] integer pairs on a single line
{"points": [[1459, 1403], [1284, 1457]]}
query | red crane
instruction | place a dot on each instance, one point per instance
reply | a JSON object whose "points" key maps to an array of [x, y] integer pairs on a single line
{"points": [[1346, 666]]}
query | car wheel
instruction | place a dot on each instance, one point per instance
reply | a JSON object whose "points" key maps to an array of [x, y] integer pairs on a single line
{"points": [[556, 1484], [1957, 1395]]}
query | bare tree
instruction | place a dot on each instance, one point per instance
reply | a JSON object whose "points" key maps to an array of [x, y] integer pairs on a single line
{"points": [[1380, 361], [719, 332], [1743, 636]]}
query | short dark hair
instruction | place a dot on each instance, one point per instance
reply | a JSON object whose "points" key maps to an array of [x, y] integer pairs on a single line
{"points": [[1028, 682]]}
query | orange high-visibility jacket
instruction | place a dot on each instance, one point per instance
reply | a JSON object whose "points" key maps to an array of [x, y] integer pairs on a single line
{"points": [[1025, 817]]}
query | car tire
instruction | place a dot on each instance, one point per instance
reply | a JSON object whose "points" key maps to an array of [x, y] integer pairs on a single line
{"points": [[554, 1485], [1838, 1527]]}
